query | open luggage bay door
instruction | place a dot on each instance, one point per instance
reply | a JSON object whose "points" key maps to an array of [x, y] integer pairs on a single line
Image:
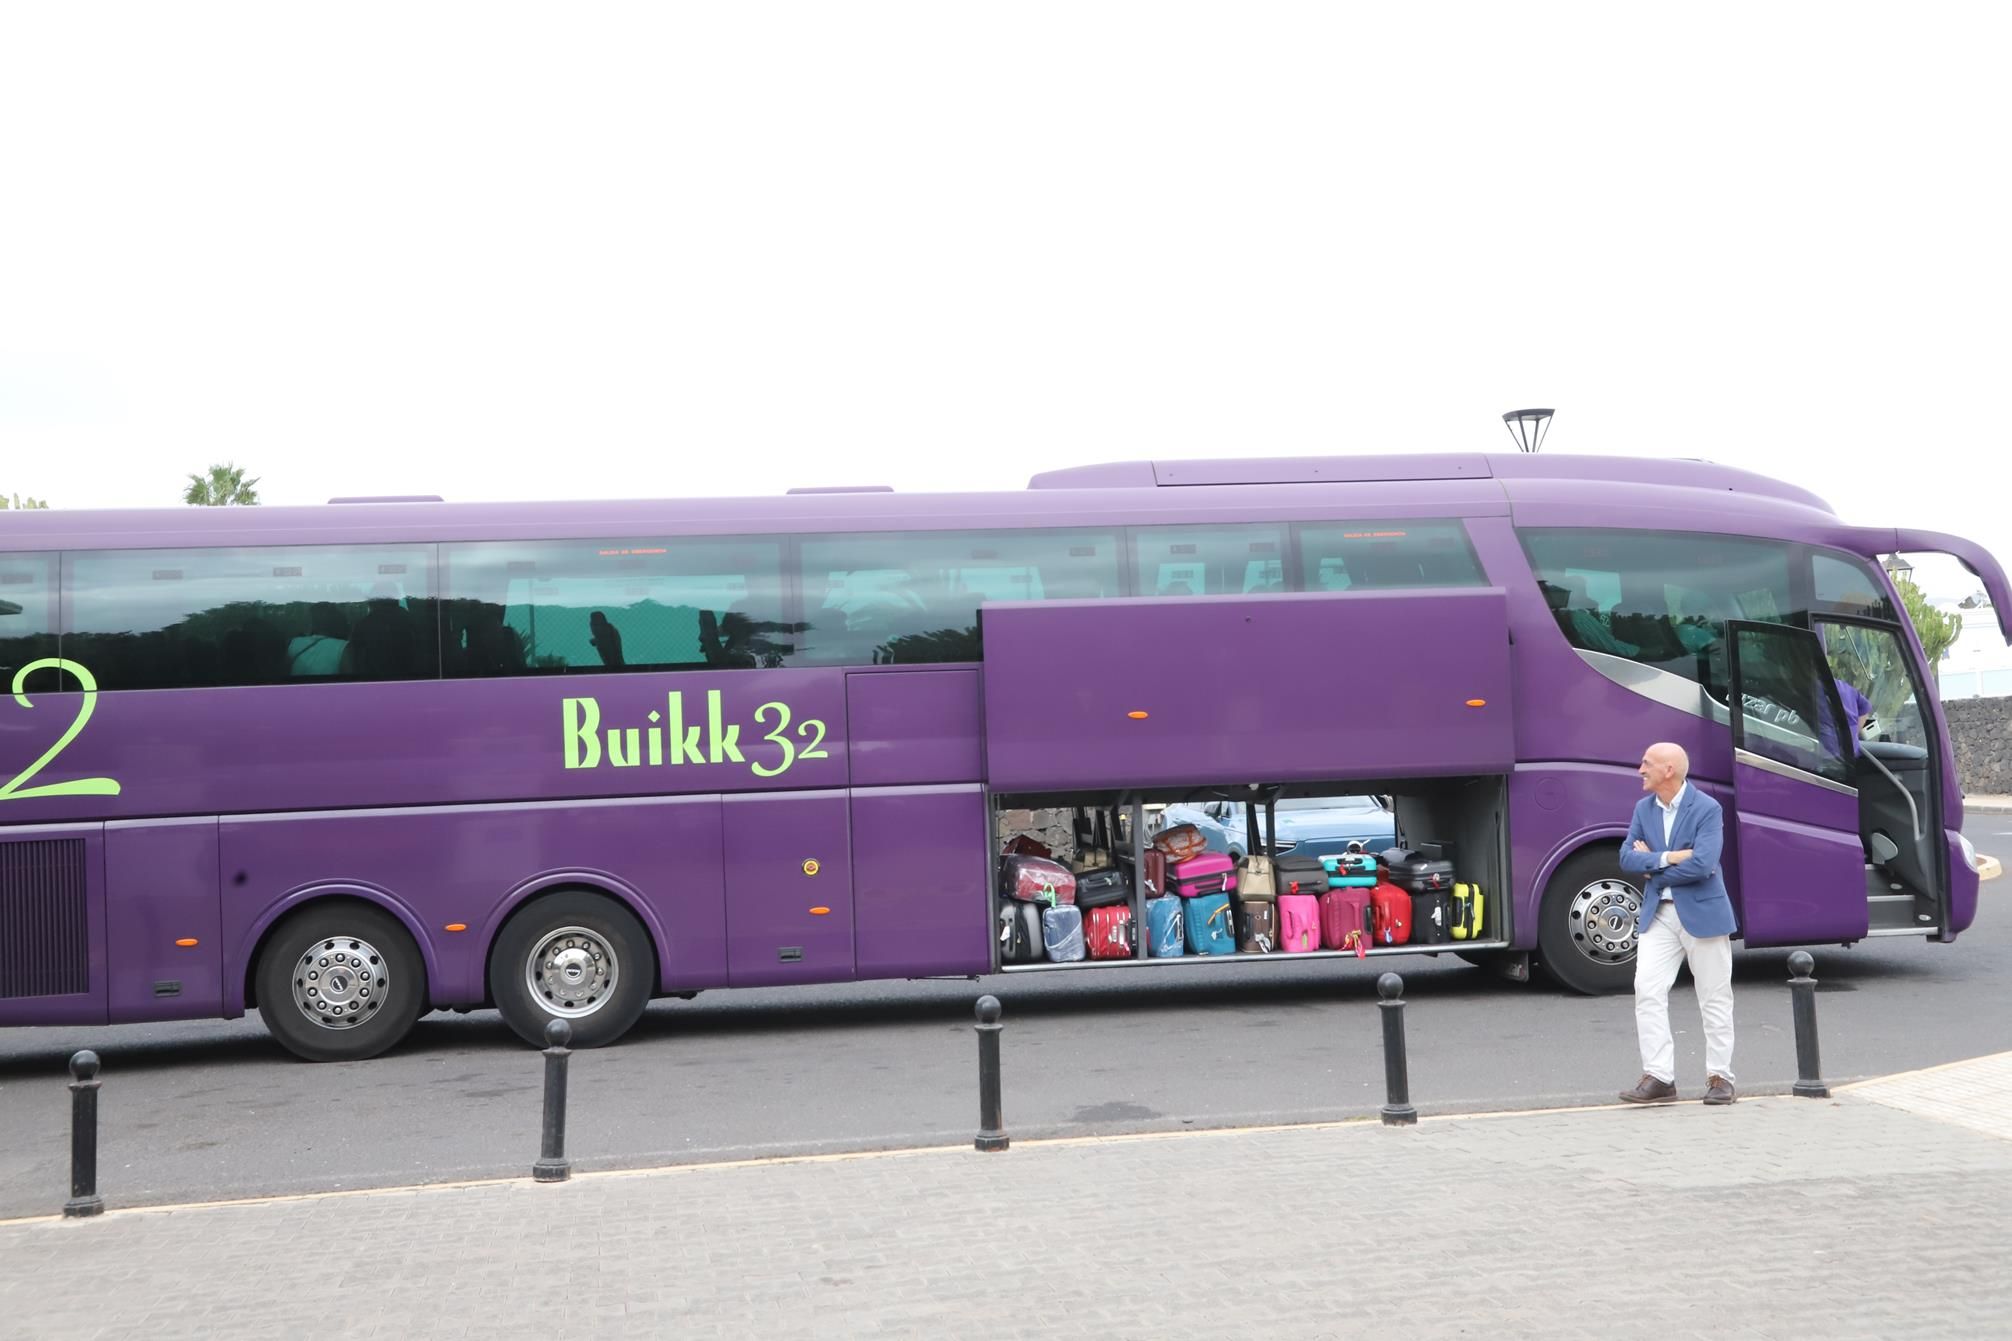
{"points": [[1187, 691], [1801, 861]]}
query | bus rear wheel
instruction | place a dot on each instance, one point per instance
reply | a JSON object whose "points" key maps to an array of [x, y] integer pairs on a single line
{"points": [[575, 956], [1586, 930], [340, 982]]}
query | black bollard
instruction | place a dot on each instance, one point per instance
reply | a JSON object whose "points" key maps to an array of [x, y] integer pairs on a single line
{"points": [[1808, 1064], [991, 1124], [1398, 1112], [552, 1165], [84, 1198]]}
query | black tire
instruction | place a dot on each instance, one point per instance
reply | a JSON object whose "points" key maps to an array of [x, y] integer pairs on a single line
{"points": [[359, 970], [1585, 930], [598, 968]]}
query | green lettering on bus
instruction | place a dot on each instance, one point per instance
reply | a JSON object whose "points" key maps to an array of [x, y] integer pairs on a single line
{"points": [[15, 789]]}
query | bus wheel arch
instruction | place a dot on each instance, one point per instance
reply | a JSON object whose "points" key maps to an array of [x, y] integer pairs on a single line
{"points": [[338, 978], [1586, 922], [578, 952]]}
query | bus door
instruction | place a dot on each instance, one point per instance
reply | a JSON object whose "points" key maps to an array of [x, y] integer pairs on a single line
{"points": [[1900, 802], [1795, 816]]}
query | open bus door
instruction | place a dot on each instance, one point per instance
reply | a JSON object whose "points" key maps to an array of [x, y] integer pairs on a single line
{"points": [[1801, 861]]}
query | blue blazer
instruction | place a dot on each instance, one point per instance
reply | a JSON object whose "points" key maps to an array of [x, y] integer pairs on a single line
{"points": [[1702, 905]]}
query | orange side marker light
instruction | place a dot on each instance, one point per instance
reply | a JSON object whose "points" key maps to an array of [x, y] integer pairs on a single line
{"points": [[819, 911], [1477, 702], [188, 942], [457, 926], [1136, 716]]}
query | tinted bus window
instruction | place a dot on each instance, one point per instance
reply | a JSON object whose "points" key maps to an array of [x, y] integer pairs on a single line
{"points": [[1366, 556], [1209, 560], [899, 599], [577, 606], [27, 615], [192, 618], [1845, 586], [1661, 599]]}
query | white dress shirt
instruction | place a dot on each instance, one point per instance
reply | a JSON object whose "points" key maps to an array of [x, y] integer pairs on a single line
{"points": [[1669, 820]]}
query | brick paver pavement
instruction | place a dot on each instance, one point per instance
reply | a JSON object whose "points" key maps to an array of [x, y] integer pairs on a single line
{"points": [[1776, 1217]]}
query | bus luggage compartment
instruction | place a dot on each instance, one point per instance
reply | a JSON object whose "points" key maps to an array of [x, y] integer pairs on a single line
{"points": [[1146, 692]]}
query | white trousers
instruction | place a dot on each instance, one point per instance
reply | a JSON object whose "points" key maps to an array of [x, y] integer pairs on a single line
{"points": [[1662, 948]]}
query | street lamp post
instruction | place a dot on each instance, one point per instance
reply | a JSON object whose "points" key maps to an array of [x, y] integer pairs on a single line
{"points": [[1527, 427]]}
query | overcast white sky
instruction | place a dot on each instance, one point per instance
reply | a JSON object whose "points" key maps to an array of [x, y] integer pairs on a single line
{"points": [[499, 250]]}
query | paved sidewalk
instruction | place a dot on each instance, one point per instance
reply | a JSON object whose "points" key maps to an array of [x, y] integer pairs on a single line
{"points": [[1852, 1217]]}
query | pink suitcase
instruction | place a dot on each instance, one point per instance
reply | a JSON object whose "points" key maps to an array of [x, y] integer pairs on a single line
{"points": [[1210, 873], [1345, 921], [1298, 923]]}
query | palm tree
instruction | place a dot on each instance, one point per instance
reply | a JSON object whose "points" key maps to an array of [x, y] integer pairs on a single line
{"points": [[223, 486], [20, 502]]}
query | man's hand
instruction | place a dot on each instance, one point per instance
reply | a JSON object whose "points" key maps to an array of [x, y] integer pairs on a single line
{"points": [[1640, 846]]}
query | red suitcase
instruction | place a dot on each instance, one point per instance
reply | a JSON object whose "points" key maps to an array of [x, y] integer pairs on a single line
{"points": [[1392, 909], [1345, 921], [1109, 932]]}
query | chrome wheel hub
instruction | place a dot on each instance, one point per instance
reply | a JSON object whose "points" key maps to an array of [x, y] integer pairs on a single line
{"points": [[1602, 920], [340, 982], [572, 971]]}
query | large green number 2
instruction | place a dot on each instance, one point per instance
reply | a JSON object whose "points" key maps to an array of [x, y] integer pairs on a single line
{"points": [[14, 790]]}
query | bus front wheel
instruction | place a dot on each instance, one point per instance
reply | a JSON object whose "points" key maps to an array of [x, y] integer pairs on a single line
{"points": [[575, 956], [1586, 931], [340, 982]]}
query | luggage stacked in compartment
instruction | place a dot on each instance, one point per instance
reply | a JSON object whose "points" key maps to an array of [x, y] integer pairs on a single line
{"points": [[1256, 904], [1036, 918], [1202, 885]]}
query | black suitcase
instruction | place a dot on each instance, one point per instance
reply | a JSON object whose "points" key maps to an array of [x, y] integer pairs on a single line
{"points": [[1020, 933], [1100, 889], [1306, 872], [1416, 874], [1432, 918]]}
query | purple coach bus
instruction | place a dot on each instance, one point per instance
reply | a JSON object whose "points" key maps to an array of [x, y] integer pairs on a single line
{"points": [[562, 758]]}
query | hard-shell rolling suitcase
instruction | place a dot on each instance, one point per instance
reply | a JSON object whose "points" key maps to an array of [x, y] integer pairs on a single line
{"points": [[1299, 875], [1038, 880], [1109, 932], [1432, 918], [1468, 910], [1391, 905], [1212, 927], [1351, 882], [1414, 873], [1298, 923], [1019, 927], [1153, 877], [1344, 920], [1101, 889], [1062, 933], [1210, 873], [1257, 925], [1166, 927], [1349, 863]]}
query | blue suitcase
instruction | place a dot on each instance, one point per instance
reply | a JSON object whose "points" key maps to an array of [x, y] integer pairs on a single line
{"points": [[1062, 933], [1212, 927], [1164, 922]]}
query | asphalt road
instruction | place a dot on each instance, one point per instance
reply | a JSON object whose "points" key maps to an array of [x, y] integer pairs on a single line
{"points": [[214, 1109]]}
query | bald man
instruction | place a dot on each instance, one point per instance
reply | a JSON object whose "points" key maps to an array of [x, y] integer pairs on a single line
{"points": [[1675, 841]]}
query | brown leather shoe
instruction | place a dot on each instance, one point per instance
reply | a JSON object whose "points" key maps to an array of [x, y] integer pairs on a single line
{"points": [[1720, 1091], [1652, 1091]]}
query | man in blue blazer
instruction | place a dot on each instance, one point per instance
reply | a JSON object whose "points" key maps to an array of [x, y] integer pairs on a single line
{"points": [[1675, 840]]}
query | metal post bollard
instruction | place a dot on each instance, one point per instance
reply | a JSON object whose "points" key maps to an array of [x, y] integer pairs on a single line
{"points": [[552, 1165], [1398, 1112], [1808, 1064], [84, 1198], [991, 1124]]}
